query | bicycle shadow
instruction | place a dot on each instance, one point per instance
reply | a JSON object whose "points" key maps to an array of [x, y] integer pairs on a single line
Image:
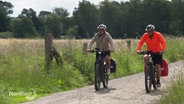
{"points": [[104, 90]]}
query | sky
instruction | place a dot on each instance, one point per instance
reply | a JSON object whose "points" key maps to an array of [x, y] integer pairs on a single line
{"points": [[47, 5]]}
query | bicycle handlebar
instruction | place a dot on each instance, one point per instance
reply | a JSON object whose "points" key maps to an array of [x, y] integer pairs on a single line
{"points": [[96, 50], [148, 52]]}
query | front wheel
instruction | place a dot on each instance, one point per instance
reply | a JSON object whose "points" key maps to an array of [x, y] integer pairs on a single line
{"points": [[97, 76], [105, 77], [154, 80], [148, 81]]}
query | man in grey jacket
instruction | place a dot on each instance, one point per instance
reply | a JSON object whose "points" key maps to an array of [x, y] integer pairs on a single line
{"points": [[104, 42]]}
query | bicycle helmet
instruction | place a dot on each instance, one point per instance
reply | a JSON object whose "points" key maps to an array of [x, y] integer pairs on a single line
{"points": [[102, 26], [150, 27]]}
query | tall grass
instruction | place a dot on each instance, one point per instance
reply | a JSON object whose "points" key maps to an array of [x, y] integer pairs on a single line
{"points": [[175, 49], [22, 66], [175, 92], [22, 70]]}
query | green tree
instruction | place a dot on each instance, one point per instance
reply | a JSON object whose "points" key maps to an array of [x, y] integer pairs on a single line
{"points": [[72, 31], [86, 17], [123, 19], [30, 13], [157, 12], [44, 14], [177, 17], [63, 13], [53, 24], [42, 17], [23, 28], [5, 10], [131, 18], [110, 16]]}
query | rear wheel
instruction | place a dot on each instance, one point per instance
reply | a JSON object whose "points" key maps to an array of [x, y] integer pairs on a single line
{"points": [[97, 77], [105, 81]]}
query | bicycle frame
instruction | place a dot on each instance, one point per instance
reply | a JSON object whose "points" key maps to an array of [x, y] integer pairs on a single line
{"points": [[100, 69], [100, 60], [150, 73]]}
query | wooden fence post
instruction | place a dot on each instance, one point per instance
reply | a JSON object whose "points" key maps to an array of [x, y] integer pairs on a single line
{"points": [[85, 47], [128, 44], [57, 56], [48, 49]]}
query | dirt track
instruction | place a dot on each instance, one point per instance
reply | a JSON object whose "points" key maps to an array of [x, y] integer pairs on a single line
{"points": [[126, 90]]}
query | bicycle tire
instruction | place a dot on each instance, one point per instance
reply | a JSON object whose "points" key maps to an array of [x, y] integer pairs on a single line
{"points": [[154, 85], [148, 81], [154, 80], [105, 81], [97, 77], [105, 77]]}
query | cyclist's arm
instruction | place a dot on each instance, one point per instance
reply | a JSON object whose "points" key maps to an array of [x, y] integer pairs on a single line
{"points": [[163, 42], [111, 43], [91, 42], [141, 42]]}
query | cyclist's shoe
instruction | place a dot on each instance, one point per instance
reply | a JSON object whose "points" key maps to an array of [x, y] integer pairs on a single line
{"points": [[108, 71], [158, 84]]}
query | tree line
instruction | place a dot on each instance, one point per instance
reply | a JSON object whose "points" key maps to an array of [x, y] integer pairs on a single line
{"points": [[123, 19]]}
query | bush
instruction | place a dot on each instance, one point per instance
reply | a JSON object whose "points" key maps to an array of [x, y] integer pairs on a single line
{"points": [[6, 35]]}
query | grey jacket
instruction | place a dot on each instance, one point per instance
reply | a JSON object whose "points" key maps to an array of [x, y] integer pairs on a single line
{"points": [[105, 43]]}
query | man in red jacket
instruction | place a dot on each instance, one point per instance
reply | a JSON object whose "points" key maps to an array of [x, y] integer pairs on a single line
{"points": [[155, 43]]}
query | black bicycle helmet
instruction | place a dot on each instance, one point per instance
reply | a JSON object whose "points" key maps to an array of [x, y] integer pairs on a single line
{"points": [[150, 27], [102, 26]]}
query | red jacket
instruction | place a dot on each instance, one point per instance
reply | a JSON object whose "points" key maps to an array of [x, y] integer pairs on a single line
{"points": [[156, 44]]}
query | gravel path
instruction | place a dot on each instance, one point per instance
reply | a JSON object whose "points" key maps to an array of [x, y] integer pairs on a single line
{"points": [[125, 90]]}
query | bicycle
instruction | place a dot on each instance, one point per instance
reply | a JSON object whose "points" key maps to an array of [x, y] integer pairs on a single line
{"points": [[150, 72], [100, 69]]}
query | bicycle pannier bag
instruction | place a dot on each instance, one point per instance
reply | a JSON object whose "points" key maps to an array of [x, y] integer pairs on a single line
{"points": [[113, 66], [164, 68]]}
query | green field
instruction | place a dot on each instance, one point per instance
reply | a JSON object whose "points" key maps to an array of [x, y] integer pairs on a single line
{"points": [[23, 73]]}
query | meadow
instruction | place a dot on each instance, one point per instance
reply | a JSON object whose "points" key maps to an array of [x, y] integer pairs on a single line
{"points": [[23, 73], [175, 91]]}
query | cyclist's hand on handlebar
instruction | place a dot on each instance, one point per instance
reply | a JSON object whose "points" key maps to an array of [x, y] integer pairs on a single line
{"points": [[138, 51], [112, 50], [163, 51], [88, 50]]}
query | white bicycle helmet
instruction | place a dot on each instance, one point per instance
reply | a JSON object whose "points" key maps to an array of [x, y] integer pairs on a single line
{"points": [[150, 27], [102, 26]]}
